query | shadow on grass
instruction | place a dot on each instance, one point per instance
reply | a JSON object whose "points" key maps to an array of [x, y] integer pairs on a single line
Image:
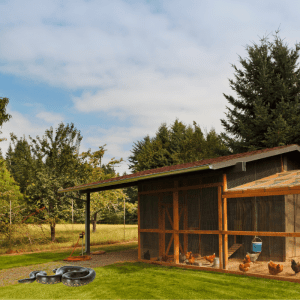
{"points": [[144, 281]]}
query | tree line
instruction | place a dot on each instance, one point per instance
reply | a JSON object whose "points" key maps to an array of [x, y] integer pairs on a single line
{"points": [[264, 113]]}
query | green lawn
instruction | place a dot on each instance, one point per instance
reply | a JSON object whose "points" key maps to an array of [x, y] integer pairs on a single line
{"points": [[144, 281]]}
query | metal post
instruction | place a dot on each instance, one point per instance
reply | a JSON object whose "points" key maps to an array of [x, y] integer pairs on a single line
{"points": [[124, 219], [87, 224], [72, 213], [10, 211]]}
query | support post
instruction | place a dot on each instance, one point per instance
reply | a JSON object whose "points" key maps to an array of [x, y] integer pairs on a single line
{"points": [[225, 224], [139, 227], [220, 226], [176, 224], [87, 224]]}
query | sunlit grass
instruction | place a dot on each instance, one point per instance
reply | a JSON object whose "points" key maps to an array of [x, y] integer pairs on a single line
{"points": [[38, 238], [144, 281]]}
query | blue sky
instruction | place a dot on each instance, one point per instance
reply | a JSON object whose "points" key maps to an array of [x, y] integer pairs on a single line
{"points": [[119, 69]]}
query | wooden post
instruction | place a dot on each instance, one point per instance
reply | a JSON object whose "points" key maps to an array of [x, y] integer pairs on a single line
{"points": [[225, 235], [139, 227], [176, 223], [225, 224], [87, 224], [185, 223], [220, 226]]}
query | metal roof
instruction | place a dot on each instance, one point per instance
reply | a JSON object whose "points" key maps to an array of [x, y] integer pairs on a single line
{"points": [[205, 164], [283, 183]]}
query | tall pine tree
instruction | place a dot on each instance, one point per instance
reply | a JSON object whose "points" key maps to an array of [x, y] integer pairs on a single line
{"points": [[266, 110]]}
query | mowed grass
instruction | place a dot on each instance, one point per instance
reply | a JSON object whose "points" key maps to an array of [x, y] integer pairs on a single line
{"points": [[144, 281], [67, 235]]}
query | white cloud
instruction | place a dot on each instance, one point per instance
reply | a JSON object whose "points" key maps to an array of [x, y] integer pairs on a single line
{"points": [[50, 117]]}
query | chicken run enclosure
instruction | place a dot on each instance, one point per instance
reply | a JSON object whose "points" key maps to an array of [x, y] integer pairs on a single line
{"points": [[216, 206]]}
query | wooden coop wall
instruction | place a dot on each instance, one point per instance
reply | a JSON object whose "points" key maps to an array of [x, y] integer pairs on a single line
{"points": [[292, 210], [270, 210], [198, 210]]}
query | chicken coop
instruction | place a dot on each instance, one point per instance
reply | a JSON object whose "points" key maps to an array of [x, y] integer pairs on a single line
{"points": [[216, 206]]}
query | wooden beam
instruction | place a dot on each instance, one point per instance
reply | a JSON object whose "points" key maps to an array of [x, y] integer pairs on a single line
{"points": [[139, 227], [170, 243], [220, 227], [169, 217], [224, 182], [262, 192], [183, 188], [225, 235], [176, 223]]}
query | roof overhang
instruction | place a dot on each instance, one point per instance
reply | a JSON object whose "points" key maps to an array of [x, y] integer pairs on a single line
{"points": [[118, 183], [233, 162]]}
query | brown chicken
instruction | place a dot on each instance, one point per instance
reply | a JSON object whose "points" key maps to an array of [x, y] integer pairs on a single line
{"points": [[210, 258], [247, 260], [274, 269], [244, 268], [188, 255], [191, 259], [295, 266]]}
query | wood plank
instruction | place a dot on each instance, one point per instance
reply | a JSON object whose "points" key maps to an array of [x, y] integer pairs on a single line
{"points": [[232, 250], [263, 192], [176, 223]]}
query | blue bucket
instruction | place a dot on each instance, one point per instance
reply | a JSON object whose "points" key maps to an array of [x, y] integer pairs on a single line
{"points": [[256, 246]]}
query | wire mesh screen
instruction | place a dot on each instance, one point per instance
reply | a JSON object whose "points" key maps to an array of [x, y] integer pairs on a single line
{"points": [[270, 217], [209, 209], [150, 241], [149, 211], [193, 208]]}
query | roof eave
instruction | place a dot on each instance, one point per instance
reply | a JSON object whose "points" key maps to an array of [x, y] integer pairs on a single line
{"points": [[232, 162], [115, 183]]}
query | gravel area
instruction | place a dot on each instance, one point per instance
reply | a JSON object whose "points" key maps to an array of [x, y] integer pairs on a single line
{"points": [[11, 276]]}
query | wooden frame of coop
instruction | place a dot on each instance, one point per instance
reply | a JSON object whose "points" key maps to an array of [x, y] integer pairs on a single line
{"points": [[189, 206], [283, 187]]}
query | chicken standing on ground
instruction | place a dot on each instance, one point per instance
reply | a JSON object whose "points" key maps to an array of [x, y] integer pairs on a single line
{"points": [[247, 261], [243, 267], [295, 266], [210, 258], [274, 269]]}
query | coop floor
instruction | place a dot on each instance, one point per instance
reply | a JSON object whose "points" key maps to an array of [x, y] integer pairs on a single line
{"points": [[259, 267]]}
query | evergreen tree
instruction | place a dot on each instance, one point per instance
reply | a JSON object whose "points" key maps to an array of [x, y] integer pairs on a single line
{"points": [[265, 112], [178, 145]]}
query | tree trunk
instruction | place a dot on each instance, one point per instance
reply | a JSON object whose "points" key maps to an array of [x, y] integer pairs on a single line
{"points": [[52, 227], [94, 221]]}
